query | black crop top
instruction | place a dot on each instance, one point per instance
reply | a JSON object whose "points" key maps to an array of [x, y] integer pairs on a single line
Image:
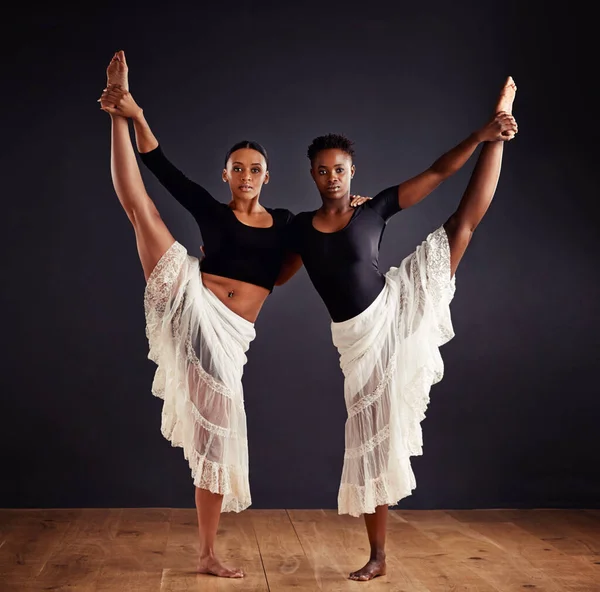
{"points": [[344, 265], [232, 249]]}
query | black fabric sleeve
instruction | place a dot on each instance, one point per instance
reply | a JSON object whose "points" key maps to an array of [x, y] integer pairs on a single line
{"points": [[385, 203], [193, 197], [292, 233]]}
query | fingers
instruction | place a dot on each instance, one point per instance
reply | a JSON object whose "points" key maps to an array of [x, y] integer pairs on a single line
{"points": [[358, 200], [110, 110], [504, 116], [112, 95], [104, 103], [508, 125]]}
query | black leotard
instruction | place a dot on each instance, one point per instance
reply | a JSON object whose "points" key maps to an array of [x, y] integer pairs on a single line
{"points": [[232, 249], [344, 265]]}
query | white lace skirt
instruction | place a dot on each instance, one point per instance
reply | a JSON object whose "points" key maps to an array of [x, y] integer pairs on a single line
{"points": [[390, 357], [200, 348]]}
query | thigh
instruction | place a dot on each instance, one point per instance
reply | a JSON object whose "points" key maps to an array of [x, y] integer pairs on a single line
{"points": [[152, 237]]}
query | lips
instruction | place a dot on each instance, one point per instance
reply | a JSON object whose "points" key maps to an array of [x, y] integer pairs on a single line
{"points": [[333, 187], [245, 187]]}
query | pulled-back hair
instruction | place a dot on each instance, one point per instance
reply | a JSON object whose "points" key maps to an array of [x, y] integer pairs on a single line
{"points": [[247, 144], [336, 141]]}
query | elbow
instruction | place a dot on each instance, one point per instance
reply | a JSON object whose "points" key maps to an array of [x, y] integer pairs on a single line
{"points": [[441, 171]]}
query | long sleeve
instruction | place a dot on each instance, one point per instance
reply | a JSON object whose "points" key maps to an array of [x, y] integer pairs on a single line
{"points": [[193, 197]]}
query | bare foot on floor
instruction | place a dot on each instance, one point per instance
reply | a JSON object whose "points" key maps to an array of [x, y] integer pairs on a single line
{"points": [[117, 72], [374, 568], [211, 565], [507, 96]]}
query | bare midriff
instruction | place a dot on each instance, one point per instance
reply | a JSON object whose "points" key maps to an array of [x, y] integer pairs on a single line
{"points": [[242, 298]]}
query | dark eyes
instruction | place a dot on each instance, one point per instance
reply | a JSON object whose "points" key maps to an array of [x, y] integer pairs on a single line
{"points": [[339, 171], [254, 170]]}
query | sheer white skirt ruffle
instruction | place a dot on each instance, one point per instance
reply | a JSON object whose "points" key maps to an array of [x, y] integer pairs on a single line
{"points": [[390, 357], [200, 346]]}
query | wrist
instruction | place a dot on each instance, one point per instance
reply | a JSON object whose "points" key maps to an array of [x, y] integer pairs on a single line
{"points": [[139, 116], [477, 137]]}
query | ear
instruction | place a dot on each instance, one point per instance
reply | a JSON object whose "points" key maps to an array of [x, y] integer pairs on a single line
{"points": [[224, 176], [352, 171], [267, 176]]}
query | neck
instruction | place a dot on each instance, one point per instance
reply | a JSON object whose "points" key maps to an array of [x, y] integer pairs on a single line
{"points": [[245, 205], [338, 205]]}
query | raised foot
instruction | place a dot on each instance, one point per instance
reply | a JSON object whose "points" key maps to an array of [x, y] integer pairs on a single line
{"points": [[117, 72], [373, 569], [211, 565], [507, 96]]}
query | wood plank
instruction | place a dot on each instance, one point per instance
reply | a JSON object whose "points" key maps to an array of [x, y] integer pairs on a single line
{"points": [[285, 563], [33, 536], [571, 532], [427, 561], [323, 545], [77, 560], [181, 554], [483, 556], [570, 572], [136, 558]]}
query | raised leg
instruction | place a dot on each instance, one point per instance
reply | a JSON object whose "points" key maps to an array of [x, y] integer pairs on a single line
{"points": [[117, 73], [482, 186], [152, 236]]}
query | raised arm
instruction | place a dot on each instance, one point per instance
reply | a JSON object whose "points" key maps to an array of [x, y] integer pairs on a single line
{"points": [[413, 190], [146, 141], [190, 195]]}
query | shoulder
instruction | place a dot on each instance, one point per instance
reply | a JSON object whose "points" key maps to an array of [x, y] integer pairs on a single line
{"points": [[385, 203], [281, 215], [302, 219]]}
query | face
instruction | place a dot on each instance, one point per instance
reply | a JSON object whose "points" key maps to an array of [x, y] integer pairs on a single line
{"points": [[246, 173], [332, 170]]}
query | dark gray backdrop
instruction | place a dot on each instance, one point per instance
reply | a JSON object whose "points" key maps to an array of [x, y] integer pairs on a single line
{"points": [[513, 423]]}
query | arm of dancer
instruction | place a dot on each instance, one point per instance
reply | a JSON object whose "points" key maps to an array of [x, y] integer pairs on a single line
{"points": [[292, 260], [479, 193], [190, 195], [291, 264], [413, 190]]}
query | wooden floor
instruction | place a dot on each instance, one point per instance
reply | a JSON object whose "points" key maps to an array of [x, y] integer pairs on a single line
{"points": [[150, 550]]}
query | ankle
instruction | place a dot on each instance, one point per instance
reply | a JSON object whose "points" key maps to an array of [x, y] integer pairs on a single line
{"points": [[207, 554], [377, 554]]}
